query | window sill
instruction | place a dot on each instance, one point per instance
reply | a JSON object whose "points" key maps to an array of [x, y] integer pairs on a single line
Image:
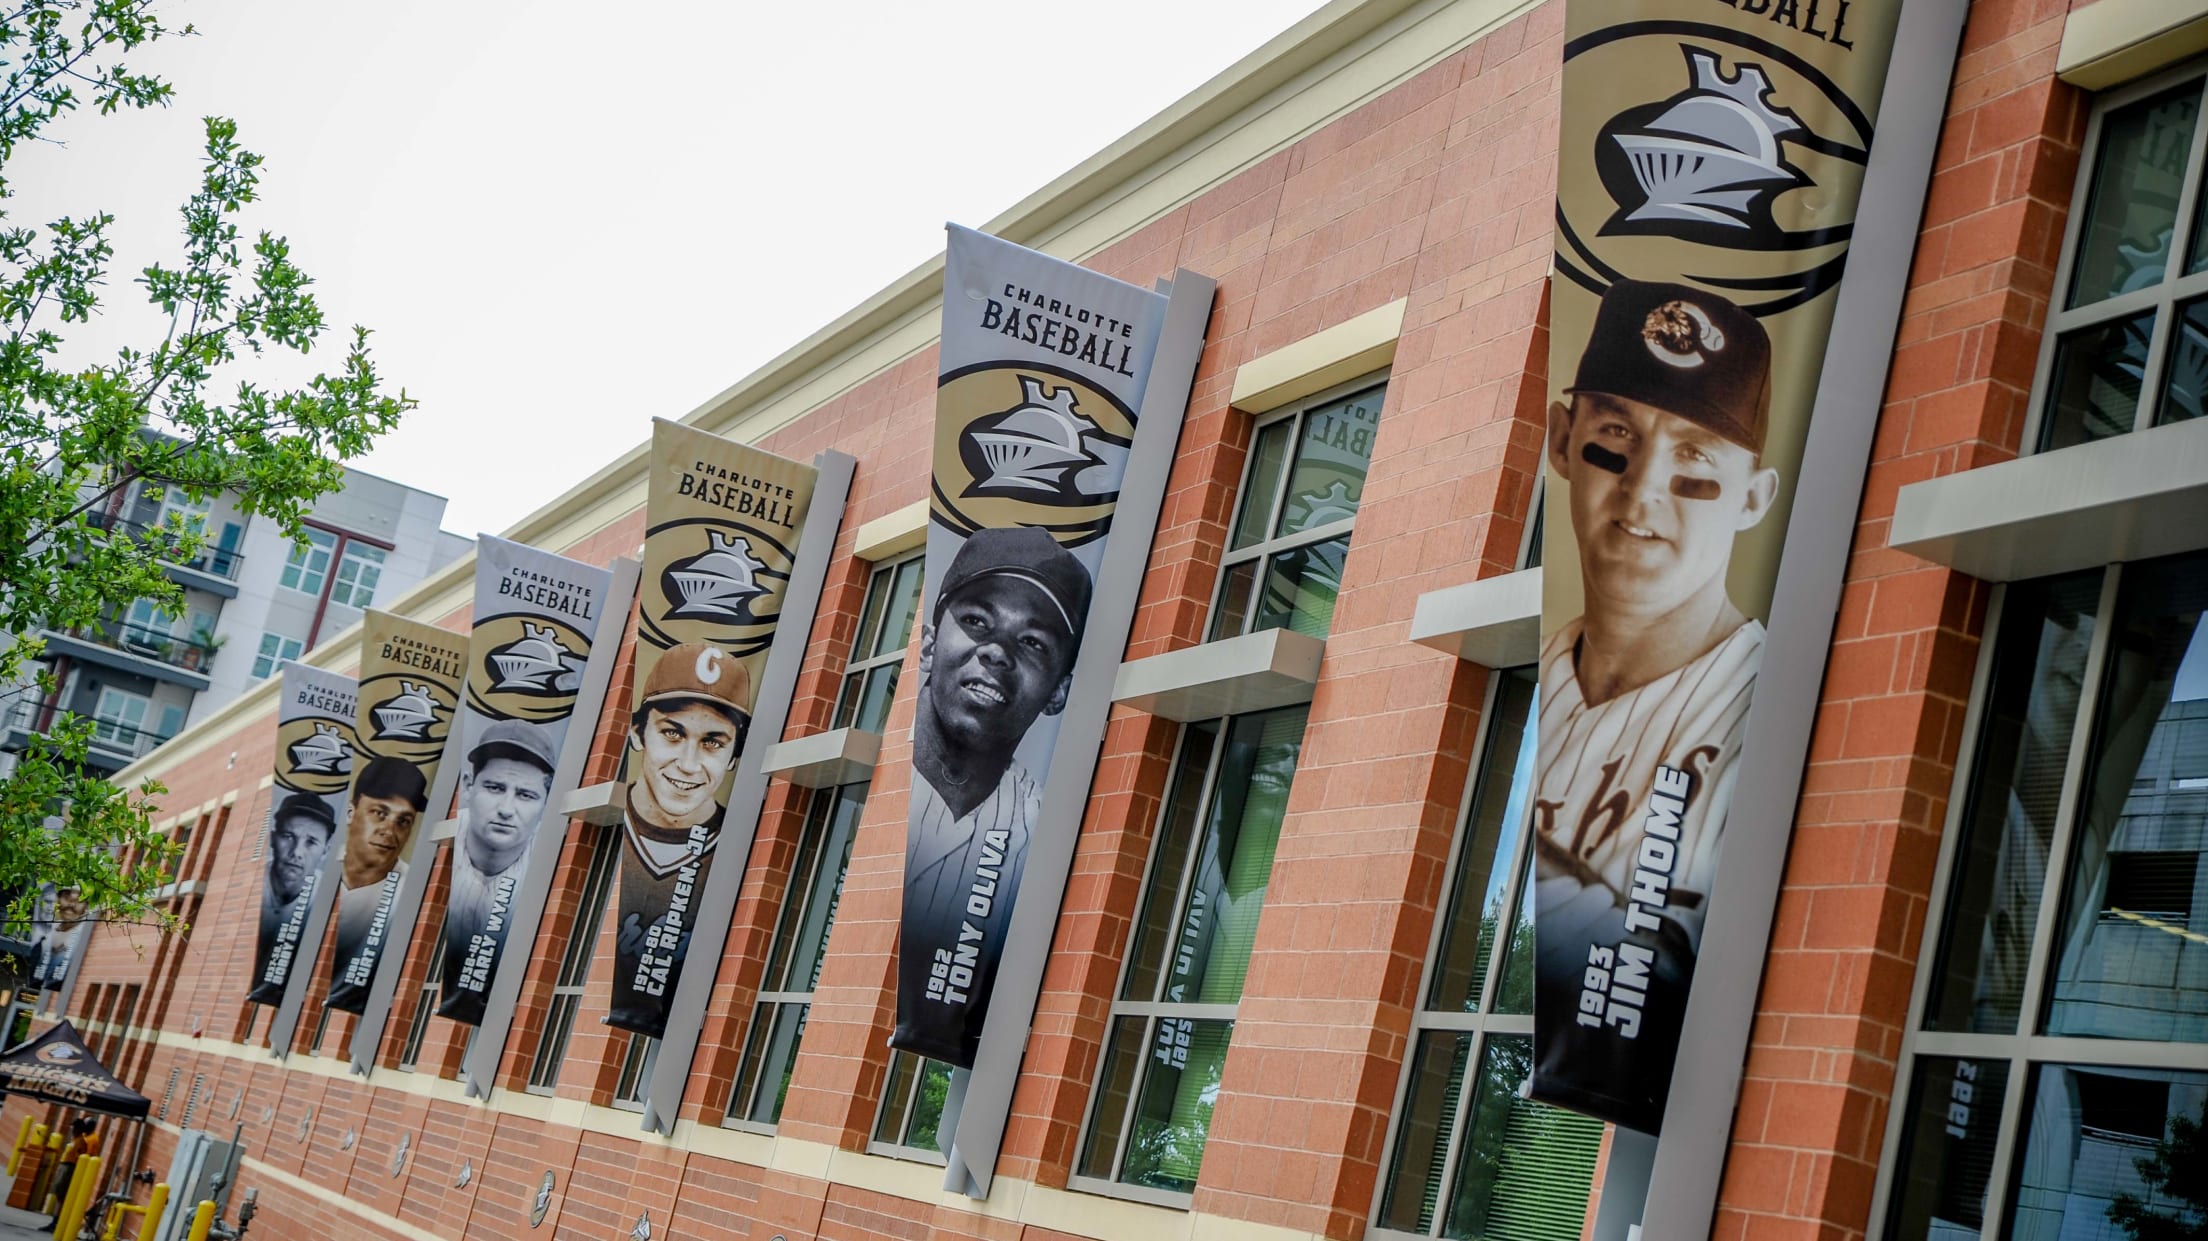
{"points": [[1253, 672], [825, 760], [1131, 1193], [2129, 497], [909, 1154], [1494, 622]]}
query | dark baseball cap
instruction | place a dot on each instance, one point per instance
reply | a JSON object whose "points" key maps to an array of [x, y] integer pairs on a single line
{"points": [[1684, 351], [514, 739], [1028, 554], [309, 805]]}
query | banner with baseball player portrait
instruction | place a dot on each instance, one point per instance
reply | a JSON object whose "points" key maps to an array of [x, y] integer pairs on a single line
{"points": [[1042, 369], [537, 616], [314, 766], [722, 520], [410, 677], [1710, 162]]}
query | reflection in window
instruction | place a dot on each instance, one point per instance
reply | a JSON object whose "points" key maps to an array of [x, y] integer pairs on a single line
{"points": [[1211, 864], [911, 1118], [1945, 1164], [2131, 212], [878, 649], [2114, 1153], [1300, 492], [309, 565]]}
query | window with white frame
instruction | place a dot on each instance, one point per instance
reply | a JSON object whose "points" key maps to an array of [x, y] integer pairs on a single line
{"points": [[276, 650], [358, 569], [1468, 1157], [793, 962], [1194, 927], [1300, 490], [582, 944], [119, 716], [309, 565], [2055, 1077], [2127, 340], [878, 651]]}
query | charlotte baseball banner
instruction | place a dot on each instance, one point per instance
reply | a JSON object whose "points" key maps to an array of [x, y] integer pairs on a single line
{"points": [[1042, 367], [536, 617], [314, 766], [410, 677], [1710, 159], [722, 521]]}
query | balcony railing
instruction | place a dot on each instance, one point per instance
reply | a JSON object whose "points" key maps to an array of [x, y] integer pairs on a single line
{"points": [[114, 736], [190, 654], [221, 562]]}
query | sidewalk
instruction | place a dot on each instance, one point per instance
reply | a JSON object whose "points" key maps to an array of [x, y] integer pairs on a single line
{"points": [[18, 1225]]}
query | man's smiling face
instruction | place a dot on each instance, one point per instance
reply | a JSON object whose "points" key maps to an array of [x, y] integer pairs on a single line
{"points": [[998, 657], [687, 752], [1656, 499], [376, 833]]}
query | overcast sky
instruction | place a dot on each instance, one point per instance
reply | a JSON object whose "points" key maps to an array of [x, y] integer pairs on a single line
{"points": [[564, 220]]}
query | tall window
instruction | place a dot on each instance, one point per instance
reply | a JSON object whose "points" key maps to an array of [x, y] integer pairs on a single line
{"points": [[119, 717], [2127, 345], [1192, 935], [582, 943], [910, 1124], [357, 572], [1469, 1157], [638, 1060], [885, 627], [309, 565], [425, 1006], [276, 650], [793, 963], [1300, 492], [2058, 1066]]}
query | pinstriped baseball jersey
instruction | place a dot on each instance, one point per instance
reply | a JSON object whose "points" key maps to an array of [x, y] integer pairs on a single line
{"points": [[961, 875], [1603, 773]]}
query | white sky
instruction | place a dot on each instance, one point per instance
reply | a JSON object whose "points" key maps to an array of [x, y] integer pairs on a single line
{"points": [[564, 220]]}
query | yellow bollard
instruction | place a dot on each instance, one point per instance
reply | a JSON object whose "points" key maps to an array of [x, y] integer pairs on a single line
{"points": [[155, 1205], [202, 1219], [71, 1220], [22, 1139]]}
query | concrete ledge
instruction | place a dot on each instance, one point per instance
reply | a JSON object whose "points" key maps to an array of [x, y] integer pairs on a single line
{"points": [[2125, 498], [1257, 671], [1319, 361], [825, 760], [444, 829], [600, 803], [2110, 42], [1494, 622], [893, 534]]}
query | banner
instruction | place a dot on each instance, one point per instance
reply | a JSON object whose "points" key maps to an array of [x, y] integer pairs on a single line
{"points": [[536, 617], [314, 765], [1710, 163], [1042, 366], [722, 521], [58, 930], [410, 677]]}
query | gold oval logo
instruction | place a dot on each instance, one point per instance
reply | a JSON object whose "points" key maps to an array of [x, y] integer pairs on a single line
{"points": [[1028, 445], [314, 755], [406, 716], [713, 579], [529, 668]]}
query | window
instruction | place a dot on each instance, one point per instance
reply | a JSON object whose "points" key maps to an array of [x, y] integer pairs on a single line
{"points": [[357, 572], [582, 942], [793, 963], [425, 1004], [637, 1062], [885, 626], [1469, 1158], [910, 1124], [1190, 950], [1300, 491], [276, 650], [2127, 344], [119, 717], [309, 564], [2060, 1036]]}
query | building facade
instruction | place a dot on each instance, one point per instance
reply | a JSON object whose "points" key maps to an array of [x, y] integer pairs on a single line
{"points": [[1979, 1013], [251, 601]]}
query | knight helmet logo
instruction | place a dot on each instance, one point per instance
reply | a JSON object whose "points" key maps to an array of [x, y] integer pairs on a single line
{"points": [[536, 663], [543, 1202], [1710, 155], [60, 1053], [407, 715], [322, 753], [1044, 449], [718, 583]]}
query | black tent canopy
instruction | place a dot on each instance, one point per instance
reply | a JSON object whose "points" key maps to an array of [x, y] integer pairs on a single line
{"points": [[56, 1067]]}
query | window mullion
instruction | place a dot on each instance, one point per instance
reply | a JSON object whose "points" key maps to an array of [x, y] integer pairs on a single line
{"points": [[2066, 811], [2004, 1150], [1288, 461], [1513, 884], [2036, 414], [1134, 1097], [1188, 864], [2158, 348], [1459, 1126], [2188, 195]]}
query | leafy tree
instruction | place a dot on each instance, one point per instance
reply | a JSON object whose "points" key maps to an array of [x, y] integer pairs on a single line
{"points": [[2177, 1170], [183, 411]]}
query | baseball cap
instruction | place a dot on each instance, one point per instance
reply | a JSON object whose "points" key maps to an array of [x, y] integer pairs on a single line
{"points": [[311, 806], [1030, 555], [514, 739], [699, 672], [1684, 351]]}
